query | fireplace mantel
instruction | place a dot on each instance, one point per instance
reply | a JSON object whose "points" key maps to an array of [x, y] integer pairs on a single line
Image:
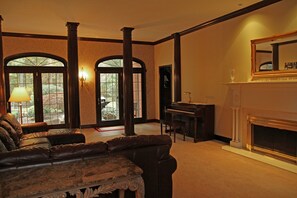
{"points": [[269, 99], [265, 98], [267, 81], [274, 123]]}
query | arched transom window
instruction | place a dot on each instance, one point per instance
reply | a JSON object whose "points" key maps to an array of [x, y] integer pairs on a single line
{"points": [[44, 77], [110, 92]]}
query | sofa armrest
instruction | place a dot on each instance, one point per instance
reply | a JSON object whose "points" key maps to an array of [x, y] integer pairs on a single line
{"points": [[166, 169], [155, 161], [34, 127]]}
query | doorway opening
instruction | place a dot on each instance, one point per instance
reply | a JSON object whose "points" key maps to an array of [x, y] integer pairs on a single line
{"points": [[109, 91], [165, 87]]}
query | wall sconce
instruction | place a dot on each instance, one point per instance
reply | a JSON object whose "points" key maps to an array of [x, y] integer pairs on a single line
{"points": [[82, 76]]}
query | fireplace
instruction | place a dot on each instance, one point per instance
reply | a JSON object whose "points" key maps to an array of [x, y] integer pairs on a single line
{"points": [[274, 137]]}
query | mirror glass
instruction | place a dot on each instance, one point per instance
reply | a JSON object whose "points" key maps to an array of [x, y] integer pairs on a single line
{"points": [[275, 56]]}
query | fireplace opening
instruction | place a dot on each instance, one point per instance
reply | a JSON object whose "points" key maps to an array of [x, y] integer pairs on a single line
{"points": [[277, 138]]}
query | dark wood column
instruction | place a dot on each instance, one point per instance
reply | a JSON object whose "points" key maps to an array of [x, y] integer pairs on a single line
{"points": [[128, 82], [275, 56], [72, 71], [177, 68], [2, 81]]}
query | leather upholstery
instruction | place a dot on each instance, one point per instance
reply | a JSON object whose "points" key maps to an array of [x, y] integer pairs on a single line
{"points": [[132, 142], [80, 150], [14, 123], [7, 140], [22, 157], [34, 141], [11, 131], [150, 152], [17, 145], [34, 127]]}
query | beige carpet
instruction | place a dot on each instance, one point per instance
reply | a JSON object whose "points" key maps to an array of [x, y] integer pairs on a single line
{"points": [[204, 169]]}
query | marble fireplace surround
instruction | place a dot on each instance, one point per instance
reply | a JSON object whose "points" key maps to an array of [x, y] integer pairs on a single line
{"points": [[261, 102]]}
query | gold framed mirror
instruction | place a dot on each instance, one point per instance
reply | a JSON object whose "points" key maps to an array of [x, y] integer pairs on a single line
{"points": [[275, 56]]}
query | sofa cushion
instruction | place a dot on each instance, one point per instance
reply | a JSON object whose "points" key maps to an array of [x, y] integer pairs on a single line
{"points": [[2, 147], [14, 123], [12, 133], [21, 157], [33, 141], [7, 140], [35, 135], [132, 142], [78, 150], [40, 145], [59, 136]]}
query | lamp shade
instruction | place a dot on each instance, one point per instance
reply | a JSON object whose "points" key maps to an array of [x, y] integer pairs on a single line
{"points": [[19, 94]]}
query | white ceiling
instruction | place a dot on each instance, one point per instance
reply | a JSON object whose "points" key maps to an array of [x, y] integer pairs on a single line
{"points": [[152, 19]]}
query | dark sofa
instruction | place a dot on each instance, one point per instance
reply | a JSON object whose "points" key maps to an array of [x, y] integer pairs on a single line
{"points": [[14, 136], [149, 152]]}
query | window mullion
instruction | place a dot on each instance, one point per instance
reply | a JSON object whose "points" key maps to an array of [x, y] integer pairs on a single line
{"points": [[38, 97]]}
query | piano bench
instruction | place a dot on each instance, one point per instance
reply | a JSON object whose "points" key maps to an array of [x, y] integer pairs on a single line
{"points": [[177, 124]]}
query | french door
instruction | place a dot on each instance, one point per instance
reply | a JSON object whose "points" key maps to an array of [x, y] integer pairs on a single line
{"points": [[109, 91], [47, 100], [44, 77], [110, 101]]}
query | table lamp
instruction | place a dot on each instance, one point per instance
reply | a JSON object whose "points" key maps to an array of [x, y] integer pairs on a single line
{"points": [[19, 94]]}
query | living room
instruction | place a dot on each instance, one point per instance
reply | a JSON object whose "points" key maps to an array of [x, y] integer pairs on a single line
{"points": [[208, 57]]}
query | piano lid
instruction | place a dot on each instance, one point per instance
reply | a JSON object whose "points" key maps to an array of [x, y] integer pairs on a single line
{"points": [[191, 104]]}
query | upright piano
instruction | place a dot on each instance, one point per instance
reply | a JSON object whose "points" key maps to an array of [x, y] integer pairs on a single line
{"points": [[199, 119]]}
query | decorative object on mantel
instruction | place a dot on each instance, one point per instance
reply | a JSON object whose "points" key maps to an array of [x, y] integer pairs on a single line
{"points": [[232, 75], [189, 96]]}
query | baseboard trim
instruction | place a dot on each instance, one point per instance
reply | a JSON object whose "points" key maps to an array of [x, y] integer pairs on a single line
{"points": [[88, 126], [222, 138], [153, 120]]}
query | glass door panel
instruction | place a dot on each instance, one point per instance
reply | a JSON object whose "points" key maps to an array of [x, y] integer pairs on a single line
{"points": [[137, 95], [28, 109], [109, 92], [53, 98]]}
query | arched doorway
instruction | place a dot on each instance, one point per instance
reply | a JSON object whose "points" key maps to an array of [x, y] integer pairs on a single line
{"points": [[109, 91], [44, 76]]}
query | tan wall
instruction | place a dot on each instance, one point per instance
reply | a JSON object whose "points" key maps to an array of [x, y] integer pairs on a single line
{"points": [[208, 56], [163, 56], [16, 45], [88, 54]]}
